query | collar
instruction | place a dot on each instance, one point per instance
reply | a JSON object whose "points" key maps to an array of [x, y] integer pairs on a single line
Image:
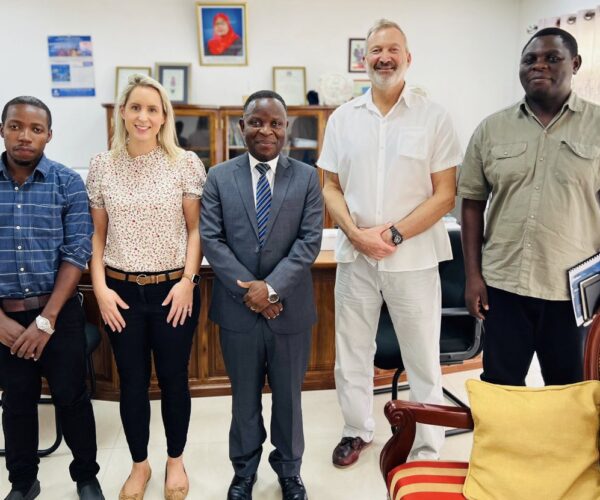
{"points": [[272, 163], [366, 100], [574, 103], [42, 167]]}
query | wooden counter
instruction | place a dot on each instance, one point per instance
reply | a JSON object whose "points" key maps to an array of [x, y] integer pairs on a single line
{"points": [[207, 374]]}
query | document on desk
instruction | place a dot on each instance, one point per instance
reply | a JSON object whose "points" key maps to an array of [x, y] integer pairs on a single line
{"points": [[584, 284]]}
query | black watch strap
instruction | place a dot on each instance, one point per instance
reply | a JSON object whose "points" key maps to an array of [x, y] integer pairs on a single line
{"points": [[194, 278], [397, 238]]}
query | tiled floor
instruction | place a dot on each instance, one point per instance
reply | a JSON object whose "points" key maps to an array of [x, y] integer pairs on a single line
{"points": [[206, 452]]}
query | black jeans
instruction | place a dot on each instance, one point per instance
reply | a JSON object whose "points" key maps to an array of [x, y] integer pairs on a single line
{"points": [[517, 326], [63, 365], [148, 334]]}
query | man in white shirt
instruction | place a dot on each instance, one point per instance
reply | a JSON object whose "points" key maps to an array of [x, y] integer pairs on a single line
{"points": [[390, 158]]}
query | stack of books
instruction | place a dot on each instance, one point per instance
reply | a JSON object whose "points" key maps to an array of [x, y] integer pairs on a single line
{"points": [[584, 284]]}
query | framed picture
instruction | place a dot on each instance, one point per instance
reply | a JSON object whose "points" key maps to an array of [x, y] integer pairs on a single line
{"points": [[222, 34], [123, 74], [359, 87], [175, 78], [357, 49], [290, 83]]}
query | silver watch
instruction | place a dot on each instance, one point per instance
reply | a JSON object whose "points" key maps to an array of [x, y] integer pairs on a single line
{"points": [[273, 298], [44, 325]]}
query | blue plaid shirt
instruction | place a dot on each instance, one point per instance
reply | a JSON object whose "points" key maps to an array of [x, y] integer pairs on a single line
{"points": [[43, 222]]}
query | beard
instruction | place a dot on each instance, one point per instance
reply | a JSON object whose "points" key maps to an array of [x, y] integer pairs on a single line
{"points": [[384, 81], [26, 163]]}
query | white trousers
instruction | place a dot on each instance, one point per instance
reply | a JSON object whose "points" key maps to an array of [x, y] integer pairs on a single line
{"points": [[413, 299]]}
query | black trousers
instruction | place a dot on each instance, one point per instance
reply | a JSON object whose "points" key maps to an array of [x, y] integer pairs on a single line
{"points": [[516, 327], [147, 334], [283, 359], [63, 365]]}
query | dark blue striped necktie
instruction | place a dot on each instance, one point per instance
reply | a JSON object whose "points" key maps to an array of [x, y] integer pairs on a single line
{"points": [[263, 202]]}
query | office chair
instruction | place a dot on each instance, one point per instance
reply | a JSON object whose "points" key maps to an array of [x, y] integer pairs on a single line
{"points": [[460, 334]]}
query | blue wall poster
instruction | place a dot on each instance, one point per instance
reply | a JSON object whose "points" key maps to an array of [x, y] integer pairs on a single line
{"points": [[71, 66]]}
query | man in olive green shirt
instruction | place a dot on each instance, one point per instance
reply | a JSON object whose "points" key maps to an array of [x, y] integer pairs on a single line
{"points": [[539, 160]]}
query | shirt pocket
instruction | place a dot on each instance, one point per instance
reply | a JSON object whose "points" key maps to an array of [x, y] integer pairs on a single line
{"points": [[508, 161], [46, 221], [412, 143], [577, 163]]}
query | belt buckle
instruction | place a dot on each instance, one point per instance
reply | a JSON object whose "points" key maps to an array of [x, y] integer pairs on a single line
{"points": [[142, 276]]}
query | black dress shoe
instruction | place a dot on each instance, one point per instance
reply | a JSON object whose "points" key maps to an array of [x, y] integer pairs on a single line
{"points": [[32, 493], [89, 490], [241, 487], [293, 488]]}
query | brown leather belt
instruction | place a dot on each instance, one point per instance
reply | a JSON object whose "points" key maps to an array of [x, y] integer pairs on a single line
{"points": [[144, 279], [27, 304]]}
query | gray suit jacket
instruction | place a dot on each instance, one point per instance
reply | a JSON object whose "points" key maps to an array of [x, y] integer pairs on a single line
{"points": [[230, 242]]}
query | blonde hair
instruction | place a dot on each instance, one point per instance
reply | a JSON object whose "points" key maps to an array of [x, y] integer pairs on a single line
{"points": [[167, 137], [382, 24]]}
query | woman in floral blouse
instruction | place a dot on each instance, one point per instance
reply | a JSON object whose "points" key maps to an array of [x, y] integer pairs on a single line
{"points": [[145, 198]]}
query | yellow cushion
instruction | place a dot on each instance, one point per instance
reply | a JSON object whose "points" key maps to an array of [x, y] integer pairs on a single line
{"points": [[534, 443]]}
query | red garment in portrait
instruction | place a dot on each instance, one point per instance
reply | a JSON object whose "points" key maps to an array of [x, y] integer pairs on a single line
{"points": [[217, 45]]}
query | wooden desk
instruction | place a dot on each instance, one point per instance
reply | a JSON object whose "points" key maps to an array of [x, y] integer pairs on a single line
{"points": [[207, 373]]}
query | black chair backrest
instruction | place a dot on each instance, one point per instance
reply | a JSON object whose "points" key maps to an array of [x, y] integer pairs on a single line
{"points": [[460, 336], [452, 273]]}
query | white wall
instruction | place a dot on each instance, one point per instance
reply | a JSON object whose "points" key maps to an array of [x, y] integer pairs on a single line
{"points": [[465, 52]]}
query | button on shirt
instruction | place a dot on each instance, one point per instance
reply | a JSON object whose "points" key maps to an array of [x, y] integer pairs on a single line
{"points": [[384, 164], [43, 222], [544, 212]]}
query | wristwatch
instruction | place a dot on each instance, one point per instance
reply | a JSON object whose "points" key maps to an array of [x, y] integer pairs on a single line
{"points": [[44, 325], [273, 298], [397, 238], [194, 278]]}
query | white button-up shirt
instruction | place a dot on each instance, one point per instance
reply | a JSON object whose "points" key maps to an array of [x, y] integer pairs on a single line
{"points": [[384, 164]]}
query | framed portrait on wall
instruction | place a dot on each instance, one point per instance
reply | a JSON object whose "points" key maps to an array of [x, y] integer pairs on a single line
{"points": [[124, 72], [357, 49], [222, 34], [175, 78], [290, 83]]}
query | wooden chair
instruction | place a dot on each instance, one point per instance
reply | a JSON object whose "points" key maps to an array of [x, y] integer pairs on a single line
{"points": [[404, 415]]}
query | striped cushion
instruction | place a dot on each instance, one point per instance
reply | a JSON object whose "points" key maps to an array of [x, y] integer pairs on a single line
{"points": [[427, 480]]}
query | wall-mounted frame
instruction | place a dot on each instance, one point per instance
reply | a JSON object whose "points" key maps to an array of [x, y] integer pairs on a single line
{"points": [[290, 83], [222, 34], [124, 72], [359, 87], [175, 78], [357, 49]]}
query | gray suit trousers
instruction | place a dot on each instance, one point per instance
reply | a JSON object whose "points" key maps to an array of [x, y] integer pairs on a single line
{"points": [[283, 359]]}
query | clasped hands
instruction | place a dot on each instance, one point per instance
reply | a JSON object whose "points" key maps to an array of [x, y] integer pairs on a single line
{"points": [[257, 299], [375, 242], [28, 343], [180, 298]]}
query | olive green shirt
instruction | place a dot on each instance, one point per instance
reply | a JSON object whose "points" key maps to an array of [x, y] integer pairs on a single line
{"points": [[543, 216]]}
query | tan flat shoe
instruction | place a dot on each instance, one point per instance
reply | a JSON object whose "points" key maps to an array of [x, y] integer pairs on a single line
{"points": [[135, 496], [179, 493]]}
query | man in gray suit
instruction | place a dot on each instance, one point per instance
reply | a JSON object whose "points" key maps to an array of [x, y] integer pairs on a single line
{"points": [[262, 215]]}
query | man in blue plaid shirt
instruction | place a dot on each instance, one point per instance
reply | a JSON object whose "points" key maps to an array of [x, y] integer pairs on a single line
{"points": [[45, 243]]}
